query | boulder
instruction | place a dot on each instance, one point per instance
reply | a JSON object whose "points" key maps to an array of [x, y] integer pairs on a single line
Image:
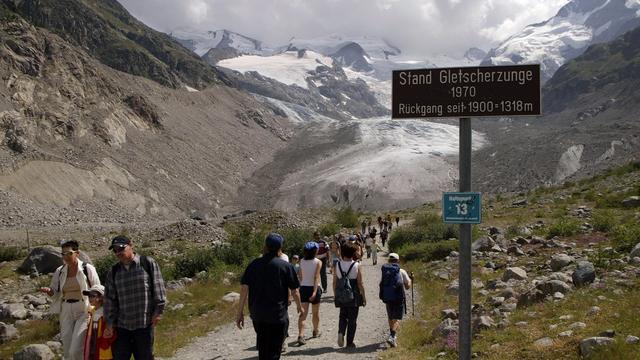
{"points": [[515, 250], [559, 261], [7, 332], [635, 252], [449, 314], [514, 273], [531, 297], [560, 276], [231, 297], [446, 327], [584, 274], [632, 201], [482, 323], [589, 344], [543, 343], [484, 243], [34, 352], [551, 287], [45, 260], [453, 288], [35, 300], [632, 340], [13, 311]]}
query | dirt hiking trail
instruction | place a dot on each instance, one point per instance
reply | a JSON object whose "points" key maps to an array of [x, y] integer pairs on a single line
{"points": [[230, 343]]}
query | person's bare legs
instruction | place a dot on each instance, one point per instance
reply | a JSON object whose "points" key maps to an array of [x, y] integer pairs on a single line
{"points": [[316, 318], [301, 319]]}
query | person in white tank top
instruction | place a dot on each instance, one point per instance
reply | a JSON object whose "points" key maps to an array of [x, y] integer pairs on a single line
{"points": [[310, 290]]}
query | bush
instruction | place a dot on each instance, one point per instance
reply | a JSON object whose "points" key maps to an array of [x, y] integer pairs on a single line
{"points": [[563, 227], [329, 229], [294, 240], [428, 251], [195, 261], [416, 234], [103, 265], [347, 217], [603, 220], [405, 235], [426, 219], [626, 236], [10, 253]]}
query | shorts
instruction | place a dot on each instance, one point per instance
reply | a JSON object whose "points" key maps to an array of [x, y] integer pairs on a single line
{"points": [[395, 310], [307, 291]]}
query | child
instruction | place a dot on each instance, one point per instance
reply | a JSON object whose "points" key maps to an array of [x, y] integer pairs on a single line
{"points": [[374, 251], [295, 261], [95, 346]]}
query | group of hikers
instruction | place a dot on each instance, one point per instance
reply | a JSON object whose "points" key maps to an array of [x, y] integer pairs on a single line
{"points": [[111, 321], [270, 284], [116, 320]]}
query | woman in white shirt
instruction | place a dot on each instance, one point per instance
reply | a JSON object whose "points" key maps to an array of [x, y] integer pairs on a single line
{"points": [[349, 314], [310, 291]]}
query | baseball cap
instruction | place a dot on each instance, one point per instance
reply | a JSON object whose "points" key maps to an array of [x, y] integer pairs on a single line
{"points": [[120, 241], [274, 241], [311, 245], [394, 256], [95, 289], [353, 238]]}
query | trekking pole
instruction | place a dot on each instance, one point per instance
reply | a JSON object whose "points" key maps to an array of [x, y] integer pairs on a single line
{"points": [[413, 305]]}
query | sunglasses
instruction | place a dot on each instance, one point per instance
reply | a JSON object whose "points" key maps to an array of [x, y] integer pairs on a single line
{"points": [[67, 253], [92, 295], [119, 248]]}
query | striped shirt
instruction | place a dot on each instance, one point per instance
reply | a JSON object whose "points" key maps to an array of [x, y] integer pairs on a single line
{"points": [[128, 303]]}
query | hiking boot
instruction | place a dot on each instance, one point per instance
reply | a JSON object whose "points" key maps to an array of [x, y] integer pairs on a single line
{"points": [[317, 333], [284, 347], [340, 340], [392, 341], [351, 346], [301, 341]]}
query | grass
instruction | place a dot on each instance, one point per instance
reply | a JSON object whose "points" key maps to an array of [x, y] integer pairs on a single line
{"points": [[9, 253], [36, 331], [203, 311]]}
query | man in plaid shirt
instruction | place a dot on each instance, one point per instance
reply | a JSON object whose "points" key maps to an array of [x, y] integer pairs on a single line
{"points": [[134, 301]]}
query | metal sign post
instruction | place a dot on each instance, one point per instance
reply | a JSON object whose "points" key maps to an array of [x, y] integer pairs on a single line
{"points": [[462, 93]]}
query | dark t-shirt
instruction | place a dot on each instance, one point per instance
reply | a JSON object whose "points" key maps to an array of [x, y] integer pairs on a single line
{"points": [[269, 279]]}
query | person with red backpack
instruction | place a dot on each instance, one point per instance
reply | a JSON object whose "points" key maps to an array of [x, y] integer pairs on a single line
{"points": [[392, 285]]}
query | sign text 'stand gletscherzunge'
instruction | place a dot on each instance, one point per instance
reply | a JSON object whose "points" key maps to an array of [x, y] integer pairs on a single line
{"points": [[466, 92]]}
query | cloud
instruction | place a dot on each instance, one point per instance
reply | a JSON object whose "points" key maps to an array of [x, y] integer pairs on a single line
{"points": [[419, 27]]}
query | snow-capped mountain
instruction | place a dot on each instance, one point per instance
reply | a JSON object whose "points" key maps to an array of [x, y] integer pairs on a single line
{"points": [[201, 42], [374, 47], [577, 25]]}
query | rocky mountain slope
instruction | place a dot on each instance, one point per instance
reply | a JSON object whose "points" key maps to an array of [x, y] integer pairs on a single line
{"points": [[82, 142], [590, 123], [568, 34]]}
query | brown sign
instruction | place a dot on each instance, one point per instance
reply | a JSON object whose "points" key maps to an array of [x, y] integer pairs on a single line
{"points": [[466, 92]]}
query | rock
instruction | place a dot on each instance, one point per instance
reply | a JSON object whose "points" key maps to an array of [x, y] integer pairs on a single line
{"points": [[561, 276], [443, 274], [578, 325], [635, 252], [521, 323], [446, 327], [483, 323], [558, 296], [45, 260], [449, 314], [13, 311], [608, 333], [589, 344], [520, 202], [515, 250], [584, 274], [531, 297], [632, 201], [559, 261], [567, 333], [34, 352], [632, 340], [55, 346], [566, 317], [594, 310], [35, 300], [508, 293], [510, 307], [543, 343], [177, 307], [477, 284], [175, 285], [484, 243], [7, 332], [231, 297], [551, 287], [453, 288], [514, 273], [522, 241], [454, 254], [490, 265]]}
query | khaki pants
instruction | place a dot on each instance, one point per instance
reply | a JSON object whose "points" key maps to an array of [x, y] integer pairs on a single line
{"points": [[73, 328]]}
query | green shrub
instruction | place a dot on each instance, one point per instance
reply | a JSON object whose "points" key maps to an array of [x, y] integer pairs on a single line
{"points": [[294, 240], [603, 220], [329, 229], [626, 236], [347, 217], [426, 219], [563, 227], [10, 253], [103, 265], [194, 261], [428, 251], [416, 234]]}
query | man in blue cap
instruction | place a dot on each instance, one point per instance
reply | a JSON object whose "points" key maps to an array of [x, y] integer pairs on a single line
{"points": [[266, 283]]}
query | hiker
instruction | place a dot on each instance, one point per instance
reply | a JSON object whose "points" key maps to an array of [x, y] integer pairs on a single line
{"points": [[374, 251], [323, 249], [368, 241], [267, 283], [380, 222], [134, 301], [363, 226], [373, 232], [96, 346], [310, 291], [295, 261], [349, 294], [67, 284], [334, 255], [384, 234], [397, 221], [392, 285]]}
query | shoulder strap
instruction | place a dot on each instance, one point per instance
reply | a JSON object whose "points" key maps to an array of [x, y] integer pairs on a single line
{"points": [[146, 265], [86, 273], [350, 267]]}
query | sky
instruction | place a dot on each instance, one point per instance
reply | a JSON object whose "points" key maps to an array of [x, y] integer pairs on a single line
{"points": [[417, 27]]}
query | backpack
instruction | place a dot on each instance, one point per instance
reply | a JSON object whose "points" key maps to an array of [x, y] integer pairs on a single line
{"points": [[344, 294], [391, 284]]}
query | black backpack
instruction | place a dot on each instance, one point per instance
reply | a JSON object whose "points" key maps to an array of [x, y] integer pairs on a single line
{"points": [[391, 284], [344, 294]]}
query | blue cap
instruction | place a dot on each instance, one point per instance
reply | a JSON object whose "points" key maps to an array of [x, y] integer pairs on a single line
{"points": [[311, 245], [353, 238], [274, 241]]}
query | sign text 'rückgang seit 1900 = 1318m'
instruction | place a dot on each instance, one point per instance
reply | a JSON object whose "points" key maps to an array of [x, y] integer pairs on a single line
{"points": [[466, 92]]}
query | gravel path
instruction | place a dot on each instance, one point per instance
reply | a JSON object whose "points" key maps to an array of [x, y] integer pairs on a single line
{"points": [[228, 342]]}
